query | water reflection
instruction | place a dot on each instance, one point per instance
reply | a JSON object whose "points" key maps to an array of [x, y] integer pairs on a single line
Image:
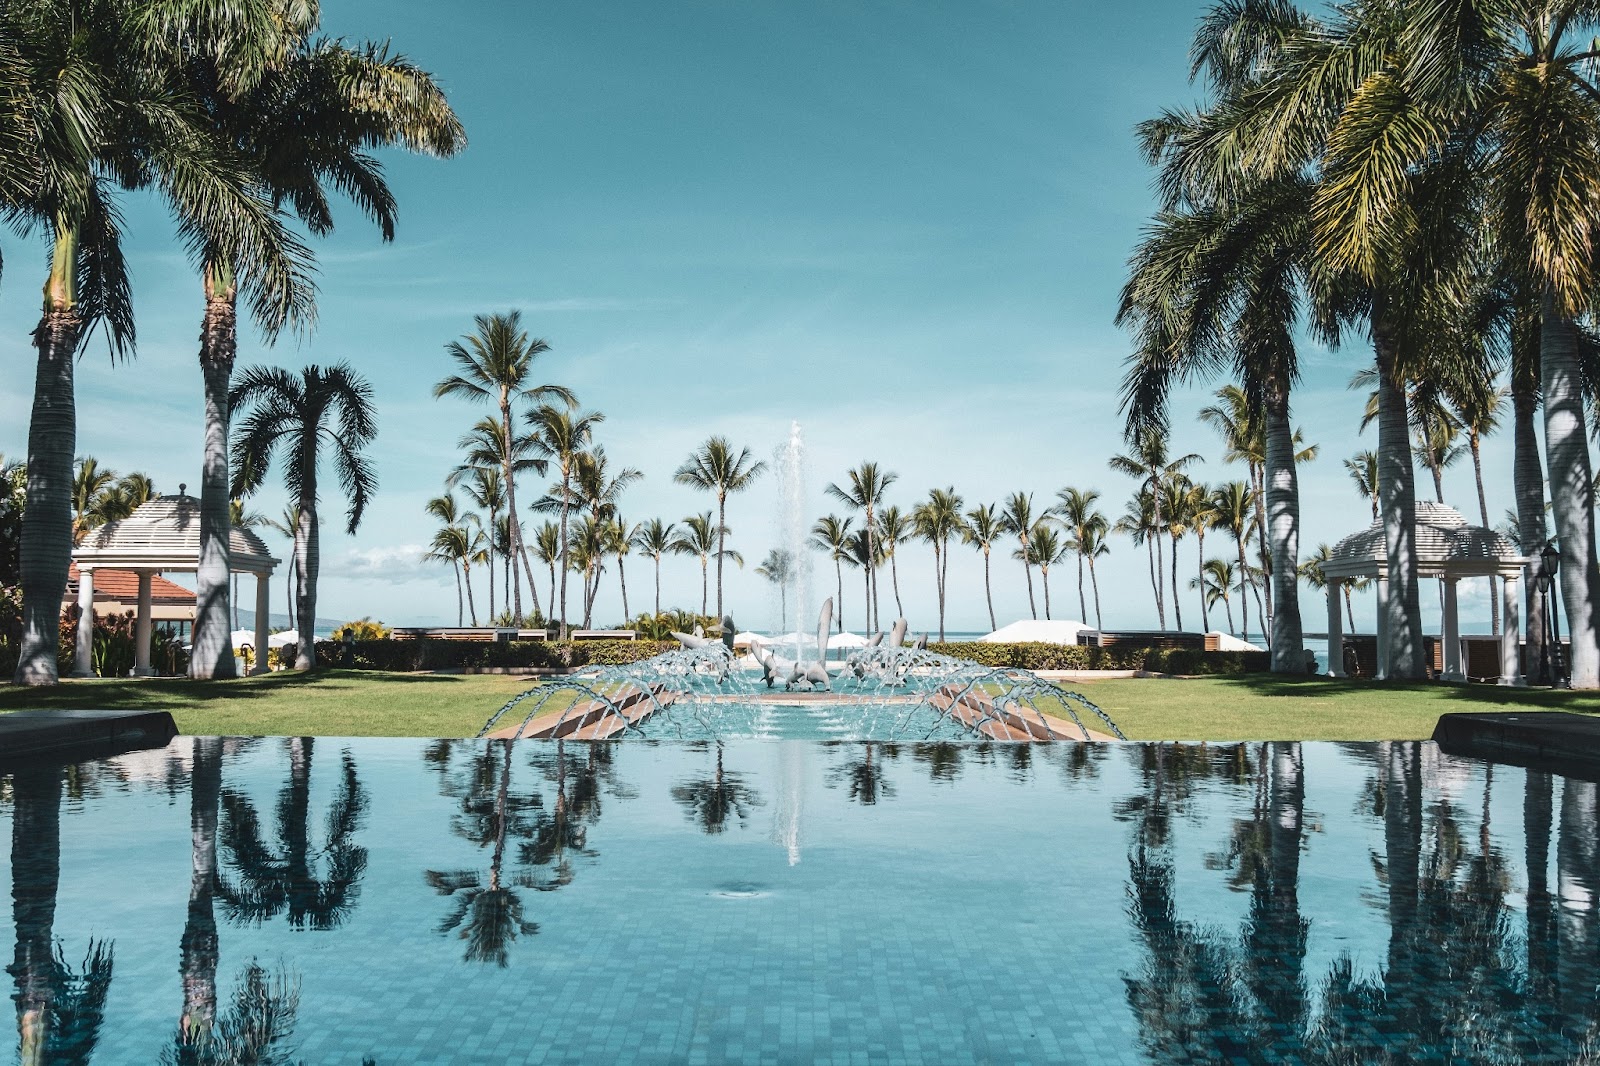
{"points": [[710, 800]]}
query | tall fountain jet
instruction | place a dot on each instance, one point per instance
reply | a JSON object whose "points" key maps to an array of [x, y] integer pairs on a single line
{"points": [[794, 529]]}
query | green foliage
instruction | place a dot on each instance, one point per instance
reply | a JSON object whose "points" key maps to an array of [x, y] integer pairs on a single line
{"points": [[415, 655], [661, 626], [112, 653], [363, 629], [1038, 656]]}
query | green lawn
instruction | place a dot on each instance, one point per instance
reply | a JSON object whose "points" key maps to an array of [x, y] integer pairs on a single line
{"points": [[346, 703]]}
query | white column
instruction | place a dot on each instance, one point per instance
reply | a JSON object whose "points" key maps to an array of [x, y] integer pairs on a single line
{"points": [[141, 629], [1511, 631], [261, 623], [83, 664], [1335, 629], [1383, 625], [1451, 633]]}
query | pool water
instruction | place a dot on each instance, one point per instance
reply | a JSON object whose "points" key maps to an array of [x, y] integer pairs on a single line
{"points": [[398, 901]]}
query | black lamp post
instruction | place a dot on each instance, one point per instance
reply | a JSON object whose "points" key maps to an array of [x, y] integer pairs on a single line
{"points": [[1549, 567]]}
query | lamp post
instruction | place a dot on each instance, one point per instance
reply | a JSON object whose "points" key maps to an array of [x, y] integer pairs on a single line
{"points": [[1550, 565]]}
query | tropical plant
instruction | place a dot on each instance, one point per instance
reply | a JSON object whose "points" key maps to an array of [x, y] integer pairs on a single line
{"points": [[1216, 581], [715, 468], [305, 112], [1045, 548], [832, 535], [1231, 506], [1090, 544], [1017, 519], [703, 538], [894, 529], [494, 364], [1138, 523], [1363, 470], [619, 540], [459, 542], [286, 525], [1075, 510], [1149, 462], [90, 482], [868, 483], [938, 520], [547, 549], [485, 487], [778, 568], [655, 539], [290, 418], [560, 435], [983, 527], [363, 628]]}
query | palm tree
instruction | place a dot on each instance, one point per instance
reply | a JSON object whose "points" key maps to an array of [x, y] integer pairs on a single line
{"points": [[1477, 405], [1017, 518], [449, 545], [460, 543], [1091, 544], [305, 112], [547, 549], [1173, 502], [894, 529], [831, 534], [1149, 461], [93, 101], [983, 527], [620, 539], [484, 449], [286, 525], [1075, 510], [90, 483], [486, 489], [494, 365], [655, 539], [1138, 524], [238, 518], [290, 419], [778, 568], [1215, 582], [714, 468], [1231, 506], [1363, 470], [1045, 547], [937, 520], [561, 435], [1202, 514], [587, 555], [702, 538], [868, 483]]}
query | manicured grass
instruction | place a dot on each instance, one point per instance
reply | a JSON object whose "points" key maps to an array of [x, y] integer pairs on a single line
{"points": [[369, 703]]}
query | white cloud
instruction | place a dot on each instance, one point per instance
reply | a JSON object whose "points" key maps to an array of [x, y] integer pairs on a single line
{"points": [[399, 564]]}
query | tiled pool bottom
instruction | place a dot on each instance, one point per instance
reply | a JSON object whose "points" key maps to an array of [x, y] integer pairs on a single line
{"points": [[802, 902]]}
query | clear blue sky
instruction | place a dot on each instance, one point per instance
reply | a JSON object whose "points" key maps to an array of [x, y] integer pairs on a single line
{"points": [[904, 225]]}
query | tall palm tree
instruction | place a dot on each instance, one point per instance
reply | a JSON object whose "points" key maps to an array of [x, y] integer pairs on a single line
{"points": [[1174, 502], [938, 520], [1363, 470], [620, 538], [1075, 510], [485, 487], [494, 364], [983, 527], [1138, 523], [459, 542], [560, 435], [239, 518], [1046, 547], [306, 113], [1017, 518], [868, 483], [1202, 513], [285, 525], [1477, 404], [1090, 544], [90, 483], [547, 549], [1151, 464], [1215, 582], [703, 538], [587, 552], [290, 418], [93, 102], [655, 539], [1231, 506], [714, 467], [894, 529], [483, 448], [778, 568], [832, 534]]}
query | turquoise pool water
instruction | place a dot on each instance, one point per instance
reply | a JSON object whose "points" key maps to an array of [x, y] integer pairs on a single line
{"points": [[397, 901]]}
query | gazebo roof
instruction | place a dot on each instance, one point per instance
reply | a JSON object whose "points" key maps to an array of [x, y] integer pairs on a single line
{"points": [[164, 534], [1446, 546]]}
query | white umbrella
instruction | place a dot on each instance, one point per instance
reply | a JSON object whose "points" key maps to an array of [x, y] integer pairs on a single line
{"points": [[241, 637], [288, 636], [846, 640]]}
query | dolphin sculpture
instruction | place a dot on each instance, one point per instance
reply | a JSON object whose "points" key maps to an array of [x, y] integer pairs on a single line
{"points": [[897, 635], [816, 674]]}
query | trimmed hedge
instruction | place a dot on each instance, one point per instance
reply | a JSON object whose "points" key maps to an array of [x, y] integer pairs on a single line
{"points": [[1087, 657], [412, 655]]}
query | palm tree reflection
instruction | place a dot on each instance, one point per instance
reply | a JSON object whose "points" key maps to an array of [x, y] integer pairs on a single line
{"points": [[864, 775], [287, 879], [711, 801]]}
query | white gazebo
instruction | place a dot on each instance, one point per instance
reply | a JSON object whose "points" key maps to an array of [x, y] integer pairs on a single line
{"points": [[162, 536], [1447, 548]]}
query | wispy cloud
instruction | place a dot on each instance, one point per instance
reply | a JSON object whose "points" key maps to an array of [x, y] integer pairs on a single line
{"points": [[399, 564]]}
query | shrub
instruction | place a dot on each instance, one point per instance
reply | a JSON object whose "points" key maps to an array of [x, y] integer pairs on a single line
{"points": [[413, 655], [1034, 656], [362, 629]]}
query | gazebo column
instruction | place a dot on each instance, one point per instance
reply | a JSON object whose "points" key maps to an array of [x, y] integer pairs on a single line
{"points": [[1383, 626], [261, 623], [141, 628], [83, 663], [1451, 635], [1335, 629], [1511, 631]]}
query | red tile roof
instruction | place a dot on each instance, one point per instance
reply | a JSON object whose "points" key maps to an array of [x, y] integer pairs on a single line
{"points": [[123, 587]]}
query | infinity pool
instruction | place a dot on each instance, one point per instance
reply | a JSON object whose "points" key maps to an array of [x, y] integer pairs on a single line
{"points": [[398, 901]]}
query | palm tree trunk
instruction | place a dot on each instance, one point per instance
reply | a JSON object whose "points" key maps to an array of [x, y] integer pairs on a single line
{"points": [[1044, 577], [566, 508], [307, 559], [658, 585], [1264, 608], [460, 603], [1155, 583], [198, 947], [1177, 602], [1532, 527], [1083, 606], [1474, 442], [722, 507], [1200, 572], [838, 580], [1161, 573], [212, 655], [1244, 582], [704, 579], [1228, 603], [514, 527], [622, 579], [1397, 478], [52, 439], [1027, 568], [1094, 582], [1283, 507], [490, 566], [466, 579], [35, 880], [938, 588], [894, 580], [988, 591], [866, 592], [1566, 445], [1349, 608]]}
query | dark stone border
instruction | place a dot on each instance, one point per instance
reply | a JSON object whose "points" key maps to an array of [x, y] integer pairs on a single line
{"points": [[1557, 742], [71, 735]]}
